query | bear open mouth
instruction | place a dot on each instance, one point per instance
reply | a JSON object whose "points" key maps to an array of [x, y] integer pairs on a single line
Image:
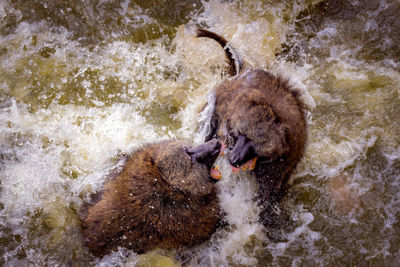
{"points": [[247, 166], [215, 173]]}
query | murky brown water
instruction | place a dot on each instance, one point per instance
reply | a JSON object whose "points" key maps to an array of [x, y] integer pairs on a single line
{"points": [[82, 81]]}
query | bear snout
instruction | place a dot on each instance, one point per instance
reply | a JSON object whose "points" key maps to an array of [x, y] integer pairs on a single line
{"points": [[242, 151], [205, 153]]}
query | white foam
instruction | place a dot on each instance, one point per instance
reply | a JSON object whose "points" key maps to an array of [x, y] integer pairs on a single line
{"points": [[55, 156], [237, 194]]}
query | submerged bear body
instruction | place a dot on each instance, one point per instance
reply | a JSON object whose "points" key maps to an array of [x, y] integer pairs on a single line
{"points": [[163, 197]]}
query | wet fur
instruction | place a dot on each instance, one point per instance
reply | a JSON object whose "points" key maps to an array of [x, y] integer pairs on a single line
{"points": [[259, 114], [160, 199]]}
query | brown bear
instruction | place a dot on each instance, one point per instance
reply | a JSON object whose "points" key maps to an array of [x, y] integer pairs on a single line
{"points": [[163, 197], [260, 118]]}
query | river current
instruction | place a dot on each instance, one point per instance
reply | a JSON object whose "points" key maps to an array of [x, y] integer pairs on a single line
{"points": [[82, 82]]}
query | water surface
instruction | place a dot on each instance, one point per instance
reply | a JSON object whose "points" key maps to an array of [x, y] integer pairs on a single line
{"points": [[83, 81]]}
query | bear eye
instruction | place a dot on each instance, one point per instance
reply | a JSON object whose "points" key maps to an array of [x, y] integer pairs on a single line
{"points": [[233, 135], [253, 103]]}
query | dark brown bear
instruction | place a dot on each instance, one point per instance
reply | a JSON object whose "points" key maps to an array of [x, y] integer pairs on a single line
{"points": [[163, 197], [260, 118]]}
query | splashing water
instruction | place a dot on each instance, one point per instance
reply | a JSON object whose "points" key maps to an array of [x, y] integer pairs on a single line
{"points": [[84, 81]]}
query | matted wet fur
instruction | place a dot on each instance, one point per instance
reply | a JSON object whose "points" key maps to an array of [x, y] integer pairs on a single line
{"points": [[260, 115], [163, 197]]}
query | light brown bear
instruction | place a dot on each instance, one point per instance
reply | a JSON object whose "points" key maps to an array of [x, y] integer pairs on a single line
{"points": [[164, 197], [260, 118]]}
